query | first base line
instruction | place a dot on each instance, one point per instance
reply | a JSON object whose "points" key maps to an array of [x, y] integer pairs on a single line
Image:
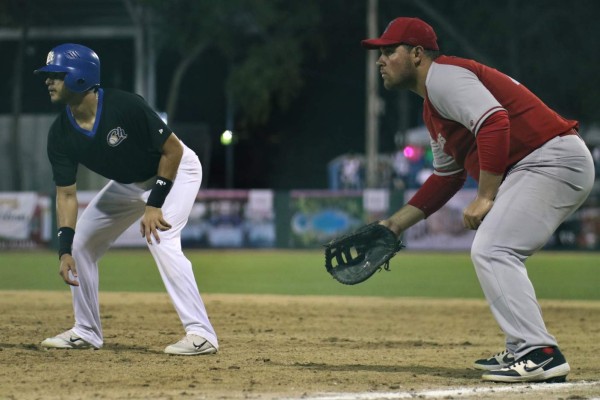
{"points": [[455, 392]]}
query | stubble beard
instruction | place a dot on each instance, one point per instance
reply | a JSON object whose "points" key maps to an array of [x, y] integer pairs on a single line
{"points": [[62, 97], [397, 84], [404, 77], [57, 100]]}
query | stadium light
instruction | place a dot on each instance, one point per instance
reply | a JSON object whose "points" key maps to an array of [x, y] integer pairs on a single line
{"points": [[227, 138]]}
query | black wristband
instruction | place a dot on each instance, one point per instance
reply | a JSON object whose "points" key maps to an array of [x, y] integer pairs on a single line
{"points": [[159, 192], [65, 240]]}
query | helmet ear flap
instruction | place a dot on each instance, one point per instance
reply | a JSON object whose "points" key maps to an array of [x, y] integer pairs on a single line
{"points": [[74, 83]]}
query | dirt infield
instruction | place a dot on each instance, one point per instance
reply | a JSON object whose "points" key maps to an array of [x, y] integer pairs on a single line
{"points": [[280, 347]]}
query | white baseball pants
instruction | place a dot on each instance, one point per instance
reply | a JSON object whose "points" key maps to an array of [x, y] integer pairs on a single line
{"points": [[109, 214]]}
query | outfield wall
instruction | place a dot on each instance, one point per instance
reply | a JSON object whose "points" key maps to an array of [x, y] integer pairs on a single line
{"points": [[290, 219]]}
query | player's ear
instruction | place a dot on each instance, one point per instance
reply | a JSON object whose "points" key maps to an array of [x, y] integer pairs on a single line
{"points": [[417, 53]]}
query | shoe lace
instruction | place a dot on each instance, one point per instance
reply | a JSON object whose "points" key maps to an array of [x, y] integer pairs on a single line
{"points": [[516, 364], [501, 354], [185, 339], [66, 334]]}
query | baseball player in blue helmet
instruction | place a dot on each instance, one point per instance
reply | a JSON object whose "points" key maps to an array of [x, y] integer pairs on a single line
{"points": [[153, 177], [80, 65]]}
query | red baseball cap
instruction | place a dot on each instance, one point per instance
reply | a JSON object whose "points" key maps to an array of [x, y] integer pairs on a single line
{"points": [[405, 30]]}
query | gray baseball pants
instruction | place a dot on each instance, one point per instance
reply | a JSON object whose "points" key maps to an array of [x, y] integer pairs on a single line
{"points": [[538, 194]]}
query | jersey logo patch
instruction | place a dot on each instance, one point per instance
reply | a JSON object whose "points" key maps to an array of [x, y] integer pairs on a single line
{"points": [[116, 136], [441, 141]]}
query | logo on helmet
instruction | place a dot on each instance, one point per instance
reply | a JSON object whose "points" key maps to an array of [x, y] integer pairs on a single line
{"points": [[116, 136], [50, 58]]}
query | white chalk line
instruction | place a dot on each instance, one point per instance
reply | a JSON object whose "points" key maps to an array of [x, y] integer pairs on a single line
{"points": [[455, 392]]}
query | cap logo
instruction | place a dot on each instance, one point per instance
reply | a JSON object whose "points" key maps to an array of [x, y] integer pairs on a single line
{"points": [[50, 58]]}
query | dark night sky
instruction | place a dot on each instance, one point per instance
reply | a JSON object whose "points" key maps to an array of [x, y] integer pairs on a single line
{"points": [[551, 47]]}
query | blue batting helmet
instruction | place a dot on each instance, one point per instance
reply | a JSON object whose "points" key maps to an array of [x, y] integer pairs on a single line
{"points": [[80, 64]]}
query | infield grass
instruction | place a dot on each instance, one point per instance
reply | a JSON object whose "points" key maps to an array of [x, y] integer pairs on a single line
{"points": [[555, 275]]}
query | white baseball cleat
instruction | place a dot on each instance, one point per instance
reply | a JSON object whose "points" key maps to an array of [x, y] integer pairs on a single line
{"points": [[66, 340], [191, 345]]}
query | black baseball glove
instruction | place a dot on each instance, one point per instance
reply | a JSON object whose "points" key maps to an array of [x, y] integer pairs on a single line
{"points": [[354, 257]]}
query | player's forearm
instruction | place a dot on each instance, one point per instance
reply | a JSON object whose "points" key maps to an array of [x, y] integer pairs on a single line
{"points": [[488, 185], [172, 152], [66, 206], [403, 219]]}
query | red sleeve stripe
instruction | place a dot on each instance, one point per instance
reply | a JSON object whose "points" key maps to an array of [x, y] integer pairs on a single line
{"points": [[447, 173], [484, 117]]}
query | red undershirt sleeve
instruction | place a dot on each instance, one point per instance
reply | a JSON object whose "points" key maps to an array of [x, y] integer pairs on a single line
{"points": [[493, 143], [436, 191]]}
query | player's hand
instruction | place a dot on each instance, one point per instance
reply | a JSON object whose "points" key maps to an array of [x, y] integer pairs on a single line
{"points": [[476, 211], [67, 264], [152, 222]]}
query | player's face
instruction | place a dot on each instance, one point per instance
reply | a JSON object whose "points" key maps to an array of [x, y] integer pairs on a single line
{"points": [[397, 68], [56, 88]]}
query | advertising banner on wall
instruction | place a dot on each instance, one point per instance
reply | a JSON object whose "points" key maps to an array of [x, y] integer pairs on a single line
{"points": [[219, 219], [231, 218], [581, 231], [444, 229], [25, 220], [304, 219], [319, 216], [16, 213]]}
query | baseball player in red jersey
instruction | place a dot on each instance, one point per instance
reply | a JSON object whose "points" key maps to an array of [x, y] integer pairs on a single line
{"points": [[533, 170], [152, 175]]}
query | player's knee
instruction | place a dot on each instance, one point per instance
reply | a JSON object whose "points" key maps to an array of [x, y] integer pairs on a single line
{"points": [[481, 251]]}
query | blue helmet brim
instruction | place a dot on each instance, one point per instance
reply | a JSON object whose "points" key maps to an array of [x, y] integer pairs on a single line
{"points": [[52, 68]]}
